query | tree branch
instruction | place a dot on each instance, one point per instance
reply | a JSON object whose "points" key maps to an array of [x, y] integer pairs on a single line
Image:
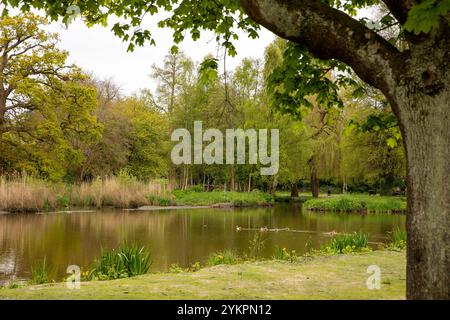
{"points": [[400, 8], [331, 34]]}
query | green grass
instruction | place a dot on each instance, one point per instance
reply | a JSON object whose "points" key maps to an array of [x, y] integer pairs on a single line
{"points": [[39, 273], [357, 203], [194, 198], [321, 277]]}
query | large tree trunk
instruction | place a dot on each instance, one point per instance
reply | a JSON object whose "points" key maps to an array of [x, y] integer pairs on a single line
{"points": [[426, 131]]}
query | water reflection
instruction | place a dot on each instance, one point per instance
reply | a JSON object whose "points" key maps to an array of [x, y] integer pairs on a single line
{"points": [[174, 236]]}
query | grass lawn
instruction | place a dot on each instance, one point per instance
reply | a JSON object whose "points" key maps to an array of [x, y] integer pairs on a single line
{"points": [[357, 202], [322, 277], [209, 198]]}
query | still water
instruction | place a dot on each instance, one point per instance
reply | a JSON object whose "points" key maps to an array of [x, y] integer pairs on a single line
{"points": [[182, 236]]}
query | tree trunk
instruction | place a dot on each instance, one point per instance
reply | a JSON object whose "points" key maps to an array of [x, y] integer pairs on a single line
{"points": [[232, 178], [274, 185], [314, 180], [425, 122], [294, 190]]}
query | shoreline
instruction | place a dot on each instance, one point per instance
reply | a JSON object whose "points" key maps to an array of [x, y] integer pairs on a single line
{"points": [[341, 276]]}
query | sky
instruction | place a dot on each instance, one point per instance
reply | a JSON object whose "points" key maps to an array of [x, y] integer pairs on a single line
{"points": [[99, 51]]}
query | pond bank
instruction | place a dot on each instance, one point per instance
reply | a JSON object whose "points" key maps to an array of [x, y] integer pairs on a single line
{"points": [[322, 277], [357, 203]]}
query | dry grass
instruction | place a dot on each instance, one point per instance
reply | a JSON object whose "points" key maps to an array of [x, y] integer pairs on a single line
{"points": [[30, 194]]}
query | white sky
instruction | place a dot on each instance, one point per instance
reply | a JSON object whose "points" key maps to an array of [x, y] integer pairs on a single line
{"points": [[99, 51]]}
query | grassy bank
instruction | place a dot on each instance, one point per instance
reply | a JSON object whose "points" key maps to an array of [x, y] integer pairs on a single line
{"points": [[209, 198], [357, 203], [321, 277]]}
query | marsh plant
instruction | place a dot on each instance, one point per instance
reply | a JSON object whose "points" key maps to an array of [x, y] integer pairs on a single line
{"points": [[348, 243], [257, 244], [39, 273], [285, 254], [127, 261], [222, 257], [397, 239]]}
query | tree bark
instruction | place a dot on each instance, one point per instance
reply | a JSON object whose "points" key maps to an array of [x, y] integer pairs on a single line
{"points": [[427, 142], [294, 190], [416, 82]]}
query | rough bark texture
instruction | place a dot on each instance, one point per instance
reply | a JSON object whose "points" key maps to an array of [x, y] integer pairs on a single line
{"points": [[417, 84], [423, 106]]}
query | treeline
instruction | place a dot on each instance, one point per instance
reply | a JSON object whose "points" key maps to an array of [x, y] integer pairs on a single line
{"points": [[61, 124]]}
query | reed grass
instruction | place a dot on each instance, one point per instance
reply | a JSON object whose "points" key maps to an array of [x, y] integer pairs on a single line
{"points": [[127, 261], [39, 273], [28, 194], [397, 239]]}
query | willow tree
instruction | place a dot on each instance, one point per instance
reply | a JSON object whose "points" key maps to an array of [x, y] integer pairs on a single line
{"points": [[415, 81]]}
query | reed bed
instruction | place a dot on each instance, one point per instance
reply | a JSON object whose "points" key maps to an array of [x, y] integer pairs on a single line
{"points": [[28, 194]]}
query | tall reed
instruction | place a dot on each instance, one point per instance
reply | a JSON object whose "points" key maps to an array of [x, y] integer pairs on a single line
{"points": [[24, 193]]}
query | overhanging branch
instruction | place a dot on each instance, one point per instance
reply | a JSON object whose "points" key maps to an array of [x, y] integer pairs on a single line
{"points": [[331, 34]]}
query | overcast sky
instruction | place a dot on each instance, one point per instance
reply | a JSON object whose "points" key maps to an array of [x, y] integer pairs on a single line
{"points": [[99, 51]]}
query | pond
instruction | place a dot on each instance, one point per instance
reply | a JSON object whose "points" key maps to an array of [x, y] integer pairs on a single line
{"points": [[182, 236]]}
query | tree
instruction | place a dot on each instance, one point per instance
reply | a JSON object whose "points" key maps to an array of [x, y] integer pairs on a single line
{"points": [[30, 64], [45, 106], [415, 81]]}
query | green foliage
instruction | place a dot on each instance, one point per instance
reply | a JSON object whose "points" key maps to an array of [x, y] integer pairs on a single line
{"points": [[210, 198], [257, 244], [286, 255], [427, 16], [301, 76], [175, 268], [222, 257], [397, 239], [39, 273], [348, 243], [54, 104], [127, 261], [356, 203]]}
